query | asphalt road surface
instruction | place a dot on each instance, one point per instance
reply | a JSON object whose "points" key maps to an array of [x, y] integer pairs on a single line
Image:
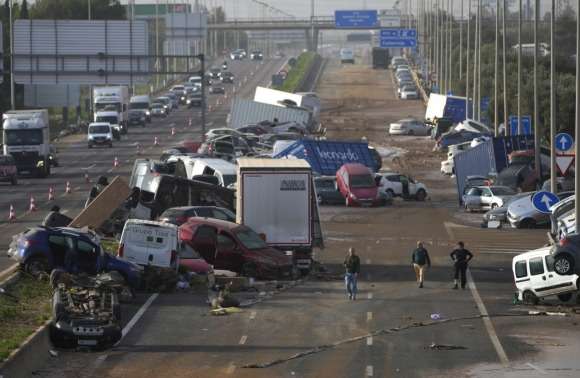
{"points": [[309, 328]]}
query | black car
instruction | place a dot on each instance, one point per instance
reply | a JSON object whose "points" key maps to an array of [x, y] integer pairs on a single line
{"points": [[193, 100], [137, 118], [327, 192], [180, 215], [227, 77], [214, 72], [256, 55], [566, 253]]}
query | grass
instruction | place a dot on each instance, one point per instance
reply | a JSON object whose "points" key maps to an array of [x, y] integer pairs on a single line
{"points": [[297, 72], [19, 319]]}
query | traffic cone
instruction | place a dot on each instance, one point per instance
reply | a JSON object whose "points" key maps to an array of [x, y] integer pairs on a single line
{"points": [[116, 162], [225, 94], [198, 114], [50, 194], [173, 131], [68, 189], [156, 143], [12, 215], [87, 177], [209, 108], [190, 122], [138, 151], [234, 90], [217, 102], [32, 204]]}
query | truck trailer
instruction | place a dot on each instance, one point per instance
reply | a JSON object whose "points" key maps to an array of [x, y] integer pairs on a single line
{"points": [[277, 199], [26, 136], [443, 106], [111, 104], [380, 57]]}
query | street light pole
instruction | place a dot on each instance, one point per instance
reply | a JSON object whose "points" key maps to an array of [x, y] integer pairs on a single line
{"points": [[12, 94]]}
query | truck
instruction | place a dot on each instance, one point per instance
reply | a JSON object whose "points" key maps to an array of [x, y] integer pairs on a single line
{"points": [[277, 199], [443, 106], [26, 135], [245, 112], [111, 104], [281, 98], [380, 57], [325, 157]]}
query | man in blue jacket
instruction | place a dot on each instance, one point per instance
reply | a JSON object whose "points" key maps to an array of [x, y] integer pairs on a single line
{"points": [[420, 260]]}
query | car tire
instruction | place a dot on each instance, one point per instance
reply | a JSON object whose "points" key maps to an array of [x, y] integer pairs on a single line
{"points": [[36, 265], [14, 181], [319, 199], [530, 298], [564, 265], [90, 145], [390, 194], [421, 195], [528, 223], [249, 269], [58, 307], [411, 132], [493, 206], [55, 277], [111, 145], [565, 297]]}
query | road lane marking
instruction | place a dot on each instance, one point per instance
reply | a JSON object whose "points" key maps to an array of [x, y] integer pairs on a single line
{"points": [[138, 315], [243, 340], [369, 371], [537, 368], [231, 369], [370, 340], [369, 316], [486, 320], [370, 295], [253, 315]]}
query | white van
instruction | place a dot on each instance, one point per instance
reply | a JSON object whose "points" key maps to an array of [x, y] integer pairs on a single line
{"points": [[195, 80], [535, 278], [346, 56], [223, 170], [100, 134], [141, 103], [146, 242]]}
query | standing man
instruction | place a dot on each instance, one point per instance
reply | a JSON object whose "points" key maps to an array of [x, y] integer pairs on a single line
{"points": [[461, 256], [420, 260], [352, 265]]}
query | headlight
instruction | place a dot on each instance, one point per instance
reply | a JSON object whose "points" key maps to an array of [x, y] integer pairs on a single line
{"points": [[351, 195], [8, 171], [147, 113], [91, 137], [109, 136]]}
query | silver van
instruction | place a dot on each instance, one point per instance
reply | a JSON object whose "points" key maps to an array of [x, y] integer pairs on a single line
{"points": [[100, 134], [535, 277]]}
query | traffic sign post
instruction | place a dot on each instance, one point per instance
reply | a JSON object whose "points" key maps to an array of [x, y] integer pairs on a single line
{"points": [[543, 200], [398, 38], [526, 125], [345, 19], [564, 142], [283, 74]]}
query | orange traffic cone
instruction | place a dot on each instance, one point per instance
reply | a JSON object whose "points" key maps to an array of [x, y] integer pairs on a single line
{"points": [[32, 204], [173, 131], [234, 89], [190, 122], [50, 194], [217, 102], [12, 215], [225, 94], [209, 108], [138, 151], [156, 143], [87, 177], [68, 189], [116, 162]]}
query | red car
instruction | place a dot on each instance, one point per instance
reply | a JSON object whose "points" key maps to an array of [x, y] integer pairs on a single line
{"points": [[357, 185], [192, 261], [231, 246], [8, 170]]}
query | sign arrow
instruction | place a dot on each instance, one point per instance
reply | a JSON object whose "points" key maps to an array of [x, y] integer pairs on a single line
{"points": [[562, 143], [547, 201]]}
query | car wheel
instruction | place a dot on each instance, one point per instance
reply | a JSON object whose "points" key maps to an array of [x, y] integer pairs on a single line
{"points": [[90, 146], [563, 265], [319, 199], [55, 277], [411, 132], [528, 223], [530, 298], [116, 306], [467, 209], [14, 181], [58, 307], [390, 194], [421, 195], [250, 270], [493, 205], [36, 265], [111, 145], [565, 297]]}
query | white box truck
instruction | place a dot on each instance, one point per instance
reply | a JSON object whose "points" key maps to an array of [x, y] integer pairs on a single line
{"points": [[281, 98], [26, 135], [110, 100], [277, 199]]}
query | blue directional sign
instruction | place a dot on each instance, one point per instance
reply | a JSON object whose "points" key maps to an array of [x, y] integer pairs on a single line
{"points": [[408, 33], [389, 33], [526, 125], [398, 42], [355, 19], [484, 106], [564, 142], [543, 200]]}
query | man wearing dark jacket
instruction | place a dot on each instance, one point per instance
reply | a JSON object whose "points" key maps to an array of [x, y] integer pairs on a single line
{"points": [[352, 265], [420, 260]]}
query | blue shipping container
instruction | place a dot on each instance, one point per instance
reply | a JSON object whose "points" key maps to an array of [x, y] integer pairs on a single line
{"points": [[326, 156], [488, 157]]}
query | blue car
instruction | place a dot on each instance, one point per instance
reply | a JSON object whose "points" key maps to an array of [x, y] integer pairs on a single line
{"points": [[42, 249], [456, 137]]}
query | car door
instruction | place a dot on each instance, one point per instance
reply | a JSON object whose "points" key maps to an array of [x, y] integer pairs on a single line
{"points": [[543, 278], [204, 242], [412, 185], [485, 199], [228, 253]]}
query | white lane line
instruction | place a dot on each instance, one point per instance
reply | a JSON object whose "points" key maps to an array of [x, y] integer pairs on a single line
{"points": [[243, 340], [369, 371], [370, 340], [253, 315], [538, 369], [138, 315], [369, 316], [368, 261], [231, 369], [486, 320], [370, 295]]}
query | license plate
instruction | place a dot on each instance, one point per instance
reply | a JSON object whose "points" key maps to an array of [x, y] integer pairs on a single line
{"points": [[87, 342]]}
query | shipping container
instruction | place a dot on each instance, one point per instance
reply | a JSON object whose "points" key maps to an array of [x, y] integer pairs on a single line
{"points": [[246, 112]]}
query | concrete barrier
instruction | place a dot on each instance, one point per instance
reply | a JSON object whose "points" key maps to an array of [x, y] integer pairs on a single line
{"points": [[31, 355]]}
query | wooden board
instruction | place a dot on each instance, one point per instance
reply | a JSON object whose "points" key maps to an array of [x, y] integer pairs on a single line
{"points": [[104, 205]]}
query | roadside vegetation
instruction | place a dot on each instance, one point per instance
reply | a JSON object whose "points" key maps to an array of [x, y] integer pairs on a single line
{"points": [[21, 316], [297, 72]]}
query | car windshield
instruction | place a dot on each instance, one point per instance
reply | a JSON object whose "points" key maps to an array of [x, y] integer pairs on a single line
{"points": [[251, 240], [362, 181], [5, 161], [99, 129], [187, 252]]}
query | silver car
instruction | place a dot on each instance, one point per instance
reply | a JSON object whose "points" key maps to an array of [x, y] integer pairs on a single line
{"points": [[409, 127], [522, 214]]}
